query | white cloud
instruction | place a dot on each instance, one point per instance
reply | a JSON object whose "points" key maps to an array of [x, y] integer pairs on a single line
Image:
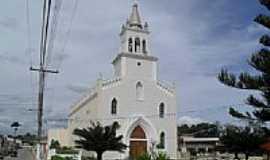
{"points": [[189, 120]]}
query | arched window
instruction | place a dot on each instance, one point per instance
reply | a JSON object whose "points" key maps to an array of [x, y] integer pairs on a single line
{"points": [[130, 44], [139, 91], [161, 144], [137, 45], [161, 110], [144, 46], [114, 107]]}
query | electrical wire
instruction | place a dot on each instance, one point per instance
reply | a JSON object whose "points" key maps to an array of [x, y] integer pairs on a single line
{"points": [[53, 30], [68, 33]]}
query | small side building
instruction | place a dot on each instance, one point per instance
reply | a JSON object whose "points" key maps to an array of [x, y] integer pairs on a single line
{"points": [[193, 146]]}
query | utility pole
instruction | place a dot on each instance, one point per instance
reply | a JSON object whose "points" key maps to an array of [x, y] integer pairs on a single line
{"points": [[42, 73]]}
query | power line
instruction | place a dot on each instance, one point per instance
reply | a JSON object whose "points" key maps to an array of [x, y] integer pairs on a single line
{"points": [[17, 104], [53, 27], [74, 10], [28, 26]]}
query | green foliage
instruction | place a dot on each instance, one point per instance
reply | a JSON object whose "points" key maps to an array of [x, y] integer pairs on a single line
{"points": [[244, 140], [200, 130], [66, 150], [88, 158], [61, 158], [266, 3], [55, 144], [161, 156], [99, 139], [28, 138], [57, 158], [145, 156], [155, 156], [160, 146], [260, 61], [15, 125]]}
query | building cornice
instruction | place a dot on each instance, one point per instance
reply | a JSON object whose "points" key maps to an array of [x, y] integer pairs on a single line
{"points": [[82, 103], [133, 29], [136, 56]]}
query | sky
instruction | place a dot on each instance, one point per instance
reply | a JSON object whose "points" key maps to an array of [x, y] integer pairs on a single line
{"points": [[193, 40]]}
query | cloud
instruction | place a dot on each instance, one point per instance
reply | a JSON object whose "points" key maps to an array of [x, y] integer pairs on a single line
{"points": [[7, 57], [189, 120], [77, 89], [9, 23]]}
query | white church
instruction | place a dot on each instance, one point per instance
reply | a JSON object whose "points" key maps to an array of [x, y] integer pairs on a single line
{"points": [[144, 107]]}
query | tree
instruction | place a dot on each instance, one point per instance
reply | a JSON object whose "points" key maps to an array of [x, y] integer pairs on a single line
{"points": [[15, 126], [55, 144], [260, 61], [242, 140], [29, 138], [99, 139], [200, 130]]}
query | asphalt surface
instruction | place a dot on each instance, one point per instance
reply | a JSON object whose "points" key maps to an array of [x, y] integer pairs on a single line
{"points": [[23, 154]]}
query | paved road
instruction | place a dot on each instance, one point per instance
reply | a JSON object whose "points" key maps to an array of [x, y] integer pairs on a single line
{"points": [[23, 154]]}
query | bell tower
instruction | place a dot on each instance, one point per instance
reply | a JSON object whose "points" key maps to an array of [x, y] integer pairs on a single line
{"points": [[134, 60], [134, 35]]}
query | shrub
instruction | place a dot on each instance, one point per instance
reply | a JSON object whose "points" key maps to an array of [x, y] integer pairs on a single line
{"points": [[57, 158], [162, 156], [89, 158], [61, 158], [145, 156]]}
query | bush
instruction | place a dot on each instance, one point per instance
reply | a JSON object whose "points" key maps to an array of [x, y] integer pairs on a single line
{"points": [[156, 156], [89, 158], [162, 156], [57, 158], [61, 158], [145, 156]]}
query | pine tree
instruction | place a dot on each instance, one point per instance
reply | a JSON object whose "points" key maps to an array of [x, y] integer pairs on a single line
{"points": [[242, 140], [260, 61]]}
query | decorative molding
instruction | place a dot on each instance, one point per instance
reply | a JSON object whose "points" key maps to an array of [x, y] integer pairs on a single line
{"points": [[168, 89], [147, 126], [111, 82], [77, 106], [125, 28], [136, 56]]}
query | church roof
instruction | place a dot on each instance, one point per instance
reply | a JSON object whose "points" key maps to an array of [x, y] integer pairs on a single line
{"points": [[135, 19]]}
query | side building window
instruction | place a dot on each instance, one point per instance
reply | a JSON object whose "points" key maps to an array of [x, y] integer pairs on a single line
{"points": [[114, 107], [161, 110], [139, 91]]}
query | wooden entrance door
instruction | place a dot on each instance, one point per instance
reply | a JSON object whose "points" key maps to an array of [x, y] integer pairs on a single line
{"points": [[137, 148], [138, 143]]}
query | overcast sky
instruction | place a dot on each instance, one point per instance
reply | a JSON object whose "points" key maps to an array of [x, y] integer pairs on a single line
{"points": [[193, 40]]}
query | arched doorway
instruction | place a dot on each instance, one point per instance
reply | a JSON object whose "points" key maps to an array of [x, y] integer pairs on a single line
{"points": [[138, 143]]}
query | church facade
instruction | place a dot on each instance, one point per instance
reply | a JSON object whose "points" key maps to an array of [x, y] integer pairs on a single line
{"points": [[144, 107]]}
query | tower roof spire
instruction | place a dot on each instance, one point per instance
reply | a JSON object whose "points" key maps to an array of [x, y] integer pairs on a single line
{"points": [[135, 19]]}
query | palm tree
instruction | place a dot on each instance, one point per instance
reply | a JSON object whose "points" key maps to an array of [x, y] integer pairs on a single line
{"points": [[15, 126], [99, 139]]}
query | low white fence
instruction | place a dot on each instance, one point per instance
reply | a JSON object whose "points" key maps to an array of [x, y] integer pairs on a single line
{"points": [[52, 152]]}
